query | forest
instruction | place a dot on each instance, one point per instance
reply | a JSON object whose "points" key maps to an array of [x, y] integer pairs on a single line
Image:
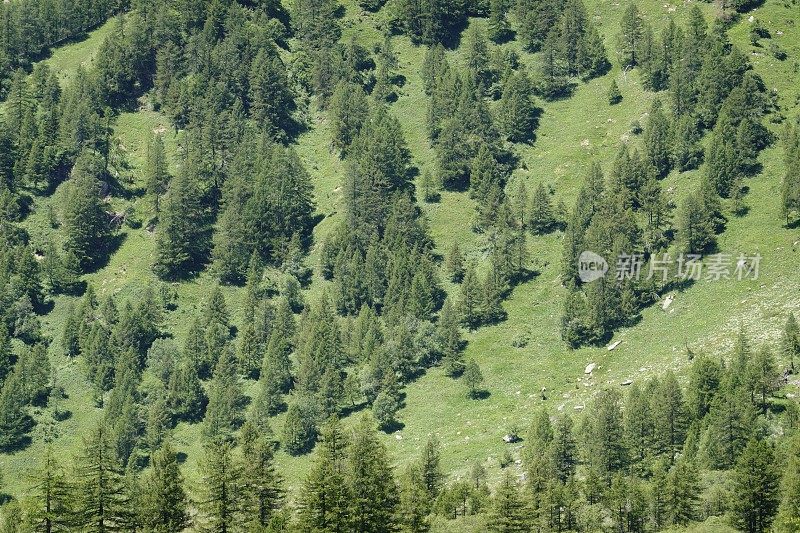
{"points": [[277, 267]]}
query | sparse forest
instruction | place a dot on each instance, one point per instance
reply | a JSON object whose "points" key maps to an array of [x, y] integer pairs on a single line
{"points": [[318, 265]]}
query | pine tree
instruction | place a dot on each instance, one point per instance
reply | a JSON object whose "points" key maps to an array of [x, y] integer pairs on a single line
{"points": [[182, 239], [223, 494], [224, 400], [271, 98], [657, 140], [614, 94], [669, 416], [695, 231], [682, 493], [630, 37], [455, 263], [430, 467], [51, 497], [790, 341], [790, 190], [373, 490], [102, 502], [156, 171], [86, 228], [731, 421], [15, 422], [541, 218], [415, 502], [473, 378], [789, 510], [324, 497], [517, 111], [300, 426], [756, 481], [498, 27], [164, 504], [507, 514], [263, 486], [553, 79]]}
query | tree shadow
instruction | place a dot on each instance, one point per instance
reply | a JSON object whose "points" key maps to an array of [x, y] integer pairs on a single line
{"points": [[481, 394], [391, 427]]}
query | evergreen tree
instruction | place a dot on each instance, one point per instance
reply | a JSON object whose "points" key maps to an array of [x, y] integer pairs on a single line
{"points": [[657, 140], [102, 501], [541, 218], [682, 493], [507, 514], [164, 504], [473, 378], [789, 508], [86, 228], [263, 486], [790, 341], [756, 488], [517, 111], [156, 171], [324, 498], [223, 494], [182, 237], [455, 263], [553, 79], [373, 491], [271, 98], [614, 94], [300, 426], [630, 37], [224, 400], [51, 497], [498, 27]]}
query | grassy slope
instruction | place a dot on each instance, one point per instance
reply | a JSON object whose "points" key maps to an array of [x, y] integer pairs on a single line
{"points": [[703, 316]]}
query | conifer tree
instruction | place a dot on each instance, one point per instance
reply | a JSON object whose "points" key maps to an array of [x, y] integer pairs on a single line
{"points": [[630, 37], [324, 498], [156, 171], [669, 416], [473, 378], [164, 506], [182, 237], [271, 98], [373, 491], [682, 493], [300, 427], [789, 508], [756, 485], [348, 110], [790, 340], [51, 497], [223, 496], [541, 218], [553, 80], [517, 111], [498, 26], [86, 228], [614, 94], [224, 400], [455, 263], [657, 140], [102, 501], [507, 514], [262, 485]]}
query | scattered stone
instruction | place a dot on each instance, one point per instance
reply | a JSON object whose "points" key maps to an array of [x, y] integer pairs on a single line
{"points": [[579, 407], [398, 436], [614, 344], [667, 302], [510, 438], [590, 368], [642, 369], [626, 382], [751, 19]]}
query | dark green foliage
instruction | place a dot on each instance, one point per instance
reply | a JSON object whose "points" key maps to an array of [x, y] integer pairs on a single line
{"points": [[86, 225], [101, 498], [507, 512], [263, 486], [657, 140], [182, 237], [541, 218], [614, 95], [271, 97], [432, 22], [756, 481], [164, 504], [517, 111], [473, 378], [385, 408], [225, 399], [348, 110], [373, 491], [51, 496], [223, 497], [300, 426], [630, 36], [157, 171], [790, 191], [324, 499]]}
